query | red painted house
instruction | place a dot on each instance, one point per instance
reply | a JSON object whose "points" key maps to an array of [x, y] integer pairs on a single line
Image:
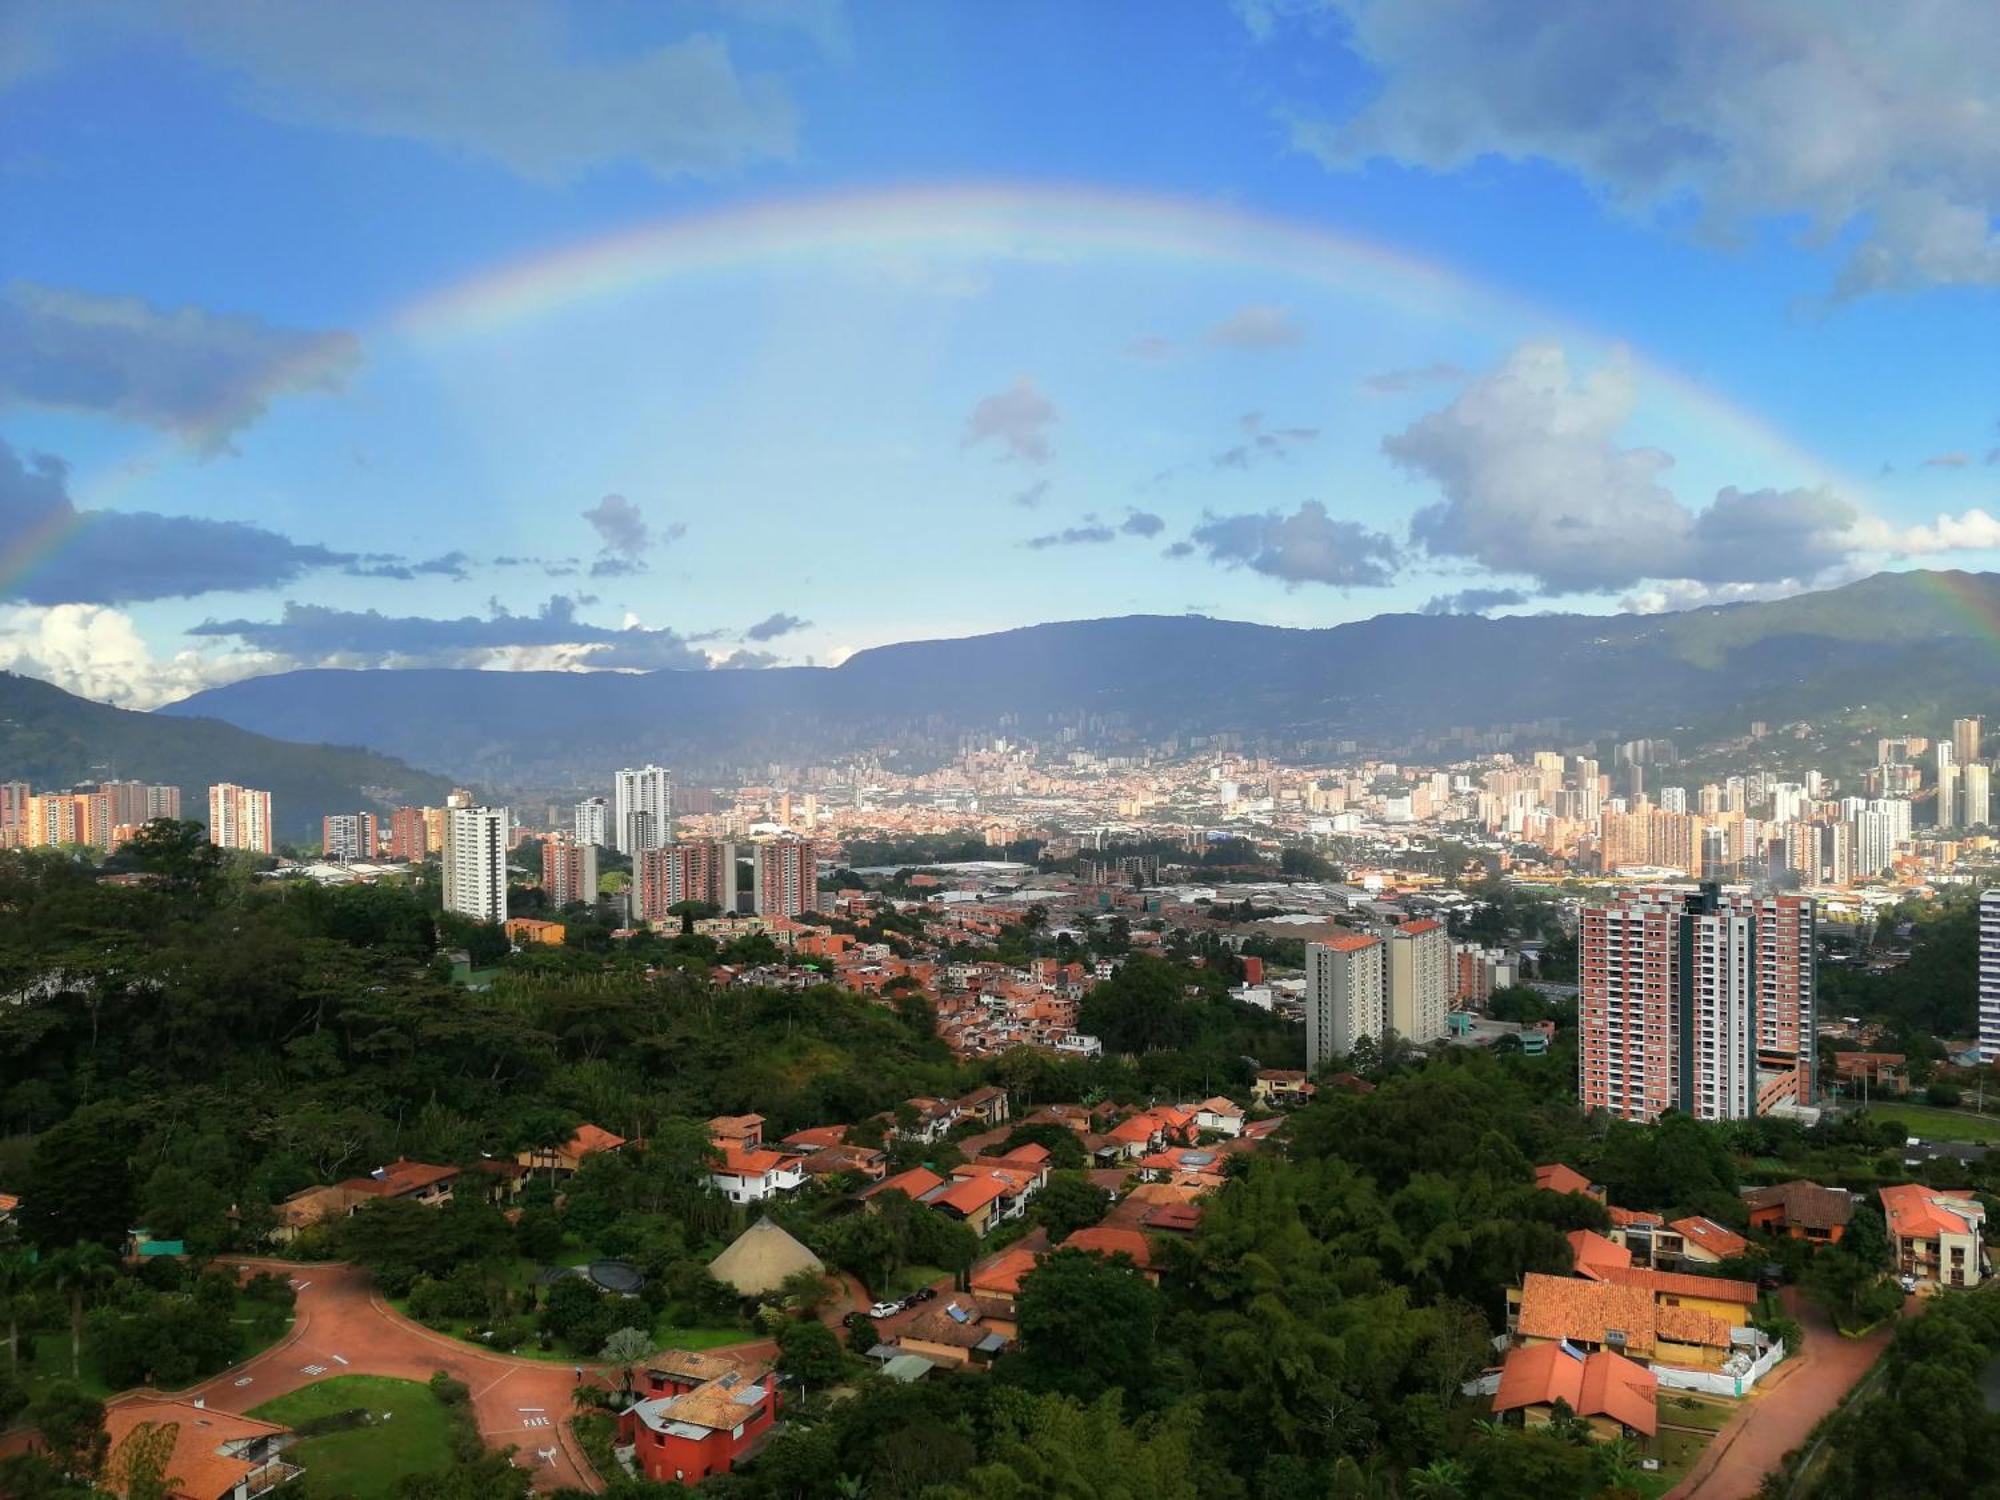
{"points": [[706, 1413]]}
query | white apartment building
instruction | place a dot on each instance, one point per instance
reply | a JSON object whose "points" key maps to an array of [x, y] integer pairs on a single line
{"points": [[476, 840], [1989, 975], [591, 823], [1975, 781], [1346, 994], [642, 808]]}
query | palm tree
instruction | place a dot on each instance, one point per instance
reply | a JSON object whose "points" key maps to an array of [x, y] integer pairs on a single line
{"points": [[77, 1273], [17, 1274]]}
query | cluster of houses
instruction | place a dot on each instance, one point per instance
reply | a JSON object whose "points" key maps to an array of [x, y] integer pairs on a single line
{"points": [[1642, 1308]]}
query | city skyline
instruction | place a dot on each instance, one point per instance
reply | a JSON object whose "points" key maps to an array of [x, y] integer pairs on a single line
{"points": [[767, 299]]}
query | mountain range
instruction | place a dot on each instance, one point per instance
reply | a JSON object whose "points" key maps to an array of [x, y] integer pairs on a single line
{"points": [[1896, 642], [53, 739]]}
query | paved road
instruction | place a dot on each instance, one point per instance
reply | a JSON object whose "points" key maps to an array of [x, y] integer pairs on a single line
{"points": [[342, 1328], [1786, 1407]]}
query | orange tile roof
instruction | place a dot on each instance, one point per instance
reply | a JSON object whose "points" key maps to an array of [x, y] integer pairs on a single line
{"points": [[1004, 1272], [1715, 1238], [1349, 942], [1566, 1307], [198, 1469], [1557, 1178], [1686, 1325], [1627, 1218], [1424, 924], [1916, 1212], [590, 1139], [1594, 1255], [739, 1163], [1600, 1384], [912, 1184], [818, 1135], [1099, 1240], [1682, 1284], [1138, 1128], [967, 1195]]}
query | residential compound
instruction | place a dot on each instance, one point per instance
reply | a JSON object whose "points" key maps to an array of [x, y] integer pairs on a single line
{"points": [[93, 817], [1367, 984], [1696, 999]]}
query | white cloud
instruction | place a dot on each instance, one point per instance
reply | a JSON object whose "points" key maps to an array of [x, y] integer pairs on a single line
{"points": [[1535, 484], [98, 653], [1879, 120], [1534, 481], [506, 80], [1018, 419], [1974, 531]]}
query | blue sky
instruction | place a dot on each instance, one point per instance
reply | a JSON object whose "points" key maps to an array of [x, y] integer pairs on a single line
{"points": [[1293, 310]]}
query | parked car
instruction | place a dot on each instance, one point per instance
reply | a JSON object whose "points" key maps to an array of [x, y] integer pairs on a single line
{"points": [[885, 1309], [1907, 1283], [923, 1294]]}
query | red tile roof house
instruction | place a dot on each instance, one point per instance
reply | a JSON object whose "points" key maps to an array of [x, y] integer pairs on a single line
{"points": [[216, 1456], [1557, 1178], [708, 1413], [1616, 1396], [934, 1119], [1222, 1116], [1936, 1235], [1801, 1210], [563, 1160], [1697, 1241], [1101, 1239], [756, 1175], [402, 1178], [743, 1131]]}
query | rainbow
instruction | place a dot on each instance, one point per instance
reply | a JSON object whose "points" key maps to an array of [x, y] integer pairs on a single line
{"points": [[985, 222]]}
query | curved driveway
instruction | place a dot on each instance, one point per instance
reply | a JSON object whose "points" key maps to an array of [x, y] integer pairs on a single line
{"points": [[341, 1327]]}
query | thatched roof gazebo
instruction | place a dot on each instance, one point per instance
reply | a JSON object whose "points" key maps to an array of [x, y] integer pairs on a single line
{"points": [[761, 1258]]}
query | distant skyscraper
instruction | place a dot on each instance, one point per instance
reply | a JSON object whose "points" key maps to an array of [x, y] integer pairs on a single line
{"points": [[1989, 975], [348, 836], [1345, 994], [642, 808], [475, 862], [1947, 787], [1965, 740], [163, 802], [1420, 980], [1695, 1001], [1674, 799], [1976, 782], [592, 822], [569, 870], [784, 878], [696, 870], [239, 817], [409, 834]]}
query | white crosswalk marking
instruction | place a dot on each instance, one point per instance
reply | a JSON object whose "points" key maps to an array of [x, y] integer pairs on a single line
{"points": [[312, 1369]]}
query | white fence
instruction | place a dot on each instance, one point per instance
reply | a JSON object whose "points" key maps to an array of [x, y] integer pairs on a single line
{"points": [[1715, 1382]]}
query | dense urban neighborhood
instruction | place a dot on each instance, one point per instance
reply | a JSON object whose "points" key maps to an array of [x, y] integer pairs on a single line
{"points": [[782, 1146]]}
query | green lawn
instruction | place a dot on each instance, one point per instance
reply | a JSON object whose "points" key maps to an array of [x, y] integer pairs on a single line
{"points": [[1677, 1453], [1938, 1124], [1687, 1411], [408, 1433], [49, 1361]]}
